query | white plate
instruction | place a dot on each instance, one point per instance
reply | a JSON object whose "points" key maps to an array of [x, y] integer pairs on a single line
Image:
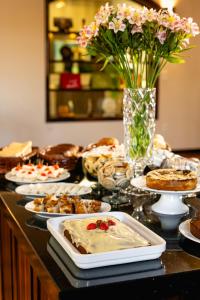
{"points": [[86, 261], [17, 180], [105, 207], [140, 183], [60, 188], [184, 229]]}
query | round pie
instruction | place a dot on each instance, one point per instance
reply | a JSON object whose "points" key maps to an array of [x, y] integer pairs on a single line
{"points": [[171, 180]]}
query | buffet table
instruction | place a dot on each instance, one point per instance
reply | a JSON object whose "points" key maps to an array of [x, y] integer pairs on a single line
{"points": [[34, 266]]}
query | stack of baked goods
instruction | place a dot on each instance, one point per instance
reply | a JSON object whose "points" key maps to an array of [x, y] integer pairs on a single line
{"points": [[171, 180], [115, 174], [97, 154], [66, 204], [16, 153], [102, 234], [66, 155]]}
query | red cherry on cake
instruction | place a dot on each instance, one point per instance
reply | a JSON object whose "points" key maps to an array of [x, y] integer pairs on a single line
{"points": [[91, 226], [103, 226], [111, 223], [43, 174], [39, 166], [56, 166]]}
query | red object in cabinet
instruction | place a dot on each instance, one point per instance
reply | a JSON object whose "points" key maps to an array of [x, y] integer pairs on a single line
{"points": [[70, 81]]}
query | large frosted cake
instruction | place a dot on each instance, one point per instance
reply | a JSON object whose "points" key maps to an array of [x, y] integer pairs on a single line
{"points": [[102, 234]]}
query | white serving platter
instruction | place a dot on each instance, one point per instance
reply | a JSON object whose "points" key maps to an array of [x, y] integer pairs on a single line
{"points": [[105, 207], [18, 180], [86, 261], [58, 188]]}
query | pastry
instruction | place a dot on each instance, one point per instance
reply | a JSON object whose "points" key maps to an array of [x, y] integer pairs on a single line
{"points": [[105, 141], [16, 153], [66, 155], [16, 149], [195, 225], [160, 143], [101, 234], [171, 180], [66, 204]]}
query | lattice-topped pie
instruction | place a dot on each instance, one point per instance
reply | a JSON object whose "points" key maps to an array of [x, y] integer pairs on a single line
{"points": [[171, 180]]}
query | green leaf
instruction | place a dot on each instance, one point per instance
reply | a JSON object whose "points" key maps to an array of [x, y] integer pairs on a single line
{"points": [[91, 51], [188, 48], [100, 59], [175, 59], [105, 63], [125, 37]]}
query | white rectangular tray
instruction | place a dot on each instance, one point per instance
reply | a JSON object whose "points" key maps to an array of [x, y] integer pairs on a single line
{"points": [[86, 261]]}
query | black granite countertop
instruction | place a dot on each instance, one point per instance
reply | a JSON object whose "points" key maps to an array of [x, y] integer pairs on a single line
{"points": [[177, 272]]}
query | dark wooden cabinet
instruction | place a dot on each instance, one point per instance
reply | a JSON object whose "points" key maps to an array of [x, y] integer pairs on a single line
{"points": [[22, 275]]}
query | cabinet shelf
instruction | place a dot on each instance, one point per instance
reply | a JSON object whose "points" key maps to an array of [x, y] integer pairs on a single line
{"points": [[73, 61], [85, 90], [63, 32], [73, 119]]}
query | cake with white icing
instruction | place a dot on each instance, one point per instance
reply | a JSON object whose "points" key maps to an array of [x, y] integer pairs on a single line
{"points": [[102, 234]]}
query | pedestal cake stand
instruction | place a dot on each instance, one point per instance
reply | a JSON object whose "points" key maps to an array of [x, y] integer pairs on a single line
{"points": [[170, 207]]}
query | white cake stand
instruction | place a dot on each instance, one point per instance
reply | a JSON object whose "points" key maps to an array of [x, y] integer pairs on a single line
{"points": [[170, 202]]}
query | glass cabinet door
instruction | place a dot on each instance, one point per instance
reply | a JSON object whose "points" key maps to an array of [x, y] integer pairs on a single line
{"points": [[76, 88]]}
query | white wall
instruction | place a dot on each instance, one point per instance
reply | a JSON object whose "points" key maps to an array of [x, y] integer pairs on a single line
{"points": [[22, 86], [179, 102], [22, 82]]}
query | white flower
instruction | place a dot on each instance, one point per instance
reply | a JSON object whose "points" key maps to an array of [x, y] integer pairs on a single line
{"points": [[124, 11], [117, 25], [136, 29], [150, 14], [103, 14], [161, 35], [137, 18], [190, 27], [184, 44]]}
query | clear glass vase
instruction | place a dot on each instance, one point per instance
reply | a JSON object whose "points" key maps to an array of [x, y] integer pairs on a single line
{"points": [[139, 126]]}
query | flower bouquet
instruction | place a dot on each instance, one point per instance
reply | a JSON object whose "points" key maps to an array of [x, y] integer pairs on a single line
{"points": [[138, 43]]}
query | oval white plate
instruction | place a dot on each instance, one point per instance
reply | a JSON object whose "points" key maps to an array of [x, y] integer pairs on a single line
{"points": [[184, 229], [140, 183], [59, 188], [17, 180], [105, 207]]}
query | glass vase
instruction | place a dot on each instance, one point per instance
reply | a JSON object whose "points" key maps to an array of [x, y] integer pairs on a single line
{"points": [[139, 126]]}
